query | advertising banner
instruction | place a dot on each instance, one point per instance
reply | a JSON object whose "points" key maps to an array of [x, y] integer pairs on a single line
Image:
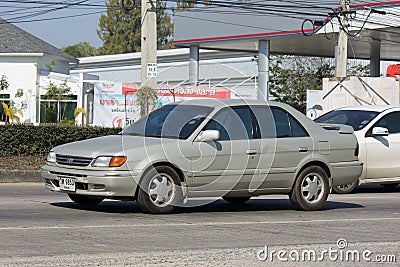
{"points": [[112, 108], [115, 104]]}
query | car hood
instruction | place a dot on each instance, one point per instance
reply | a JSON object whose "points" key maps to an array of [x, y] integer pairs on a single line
{"points": [[108, 145]]}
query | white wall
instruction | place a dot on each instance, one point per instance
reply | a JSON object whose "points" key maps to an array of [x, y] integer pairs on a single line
{"points": [[22, 74], [60, 66], [31, 74]]}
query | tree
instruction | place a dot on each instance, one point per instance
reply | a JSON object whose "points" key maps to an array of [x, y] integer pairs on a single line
{"points": [[293, 76], [11, 113], [81, 49], [147, 98], [3, 83], [78, 111], [120, 28], [359, 70], [54, 112], [183, 4]]}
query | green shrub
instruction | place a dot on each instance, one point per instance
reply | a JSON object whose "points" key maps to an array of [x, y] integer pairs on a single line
{"points": [[19, 140]]}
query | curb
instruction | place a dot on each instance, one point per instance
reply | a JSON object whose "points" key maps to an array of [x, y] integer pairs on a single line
{"points": [[20, 176]]}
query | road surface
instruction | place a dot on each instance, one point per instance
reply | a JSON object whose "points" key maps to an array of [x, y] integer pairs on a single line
{"points": [[42, 228]]}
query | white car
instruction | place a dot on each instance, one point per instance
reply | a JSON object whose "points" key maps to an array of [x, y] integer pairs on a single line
{"points": [[377, 129]]}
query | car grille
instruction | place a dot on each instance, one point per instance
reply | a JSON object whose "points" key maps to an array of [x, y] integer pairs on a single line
{"points": [[78, 175], [72, 160]]}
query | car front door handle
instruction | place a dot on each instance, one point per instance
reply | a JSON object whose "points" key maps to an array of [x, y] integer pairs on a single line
{"points": [[252, 152], [303, 149]]}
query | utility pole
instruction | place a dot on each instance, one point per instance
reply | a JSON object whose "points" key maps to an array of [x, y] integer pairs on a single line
{"points": [[149, 44], [341, 48]]}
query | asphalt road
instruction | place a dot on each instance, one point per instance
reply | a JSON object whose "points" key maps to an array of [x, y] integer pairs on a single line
{"points": [[41, 228]]}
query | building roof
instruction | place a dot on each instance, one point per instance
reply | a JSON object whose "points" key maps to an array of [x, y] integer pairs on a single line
{"points": [[15, 40]]}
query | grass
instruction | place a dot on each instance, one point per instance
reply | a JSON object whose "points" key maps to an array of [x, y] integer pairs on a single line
{"points": [[22, 162]]}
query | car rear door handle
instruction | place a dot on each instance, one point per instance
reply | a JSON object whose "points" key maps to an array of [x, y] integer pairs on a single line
{"points": [[303, 149], [252, 152]]}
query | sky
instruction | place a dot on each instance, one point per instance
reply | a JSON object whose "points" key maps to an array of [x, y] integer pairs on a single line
{"points": [[44, 19], [64, 32]]}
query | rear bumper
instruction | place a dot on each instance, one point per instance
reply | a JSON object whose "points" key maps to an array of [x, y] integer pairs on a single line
{"points": [[346, 172], [107, 184]]}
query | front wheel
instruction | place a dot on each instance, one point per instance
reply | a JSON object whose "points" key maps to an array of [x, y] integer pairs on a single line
{"points": [[310, 190], [159, 190], [345, 188], [85, 200]]}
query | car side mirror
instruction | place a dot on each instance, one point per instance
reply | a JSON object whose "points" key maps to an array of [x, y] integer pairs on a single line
{"points": [[207, 135], [380, 131]]}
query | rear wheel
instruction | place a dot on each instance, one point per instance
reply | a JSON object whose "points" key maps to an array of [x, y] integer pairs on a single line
{"points": [[311, 189], [85, 200], [236, 200], [344, 189], [159, 190]]}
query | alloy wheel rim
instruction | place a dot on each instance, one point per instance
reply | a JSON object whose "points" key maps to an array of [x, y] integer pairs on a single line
{"points": [[312, 188], [345, 186], [161, 190]]}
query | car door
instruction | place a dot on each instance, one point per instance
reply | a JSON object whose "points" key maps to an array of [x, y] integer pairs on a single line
{"points": [[382, 152], [221, 166], [284, 144]]}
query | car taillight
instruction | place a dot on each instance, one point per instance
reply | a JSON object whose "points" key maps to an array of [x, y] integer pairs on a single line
{"points": [[356, 151]]}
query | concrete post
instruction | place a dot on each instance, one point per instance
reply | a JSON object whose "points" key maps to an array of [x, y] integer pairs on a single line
{"points": [[375, 57], [194, 65], [263, 70], [341, 46], [149, 41]]}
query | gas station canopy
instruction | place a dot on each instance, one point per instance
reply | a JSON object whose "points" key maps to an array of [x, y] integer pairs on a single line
{"points": [[233, 29]]}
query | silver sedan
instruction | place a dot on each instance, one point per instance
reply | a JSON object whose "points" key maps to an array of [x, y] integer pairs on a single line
{"points": [[232, 149]]}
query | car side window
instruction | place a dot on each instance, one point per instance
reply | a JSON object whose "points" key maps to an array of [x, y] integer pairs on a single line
{"points": [[297, 129], [282, 125], [232, 123], [391, 122], [265, 120]]}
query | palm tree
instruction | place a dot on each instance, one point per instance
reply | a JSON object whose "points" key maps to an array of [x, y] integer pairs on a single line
{"points": [[78, 111], [11, 113]]}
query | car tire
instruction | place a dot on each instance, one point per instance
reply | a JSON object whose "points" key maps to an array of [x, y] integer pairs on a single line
{"points": [[236, 200], [389, 185], [310, 190], [159, 190], [344, 189], [85, 200]]}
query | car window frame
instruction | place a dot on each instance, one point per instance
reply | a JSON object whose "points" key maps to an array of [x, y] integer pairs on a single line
{"points": [[253, 126], [288, 114]]}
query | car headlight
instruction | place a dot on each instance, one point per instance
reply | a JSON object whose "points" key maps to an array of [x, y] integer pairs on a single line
{"points": [[51, 157], [108, 161]]}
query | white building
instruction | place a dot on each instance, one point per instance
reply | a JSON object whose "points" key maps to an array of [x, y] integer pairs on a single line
{"points": [[29, 64]]}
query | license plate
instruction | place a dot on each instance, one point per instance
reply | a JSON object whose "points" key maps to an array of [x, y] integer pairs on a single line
{"points": [[67, 184]]}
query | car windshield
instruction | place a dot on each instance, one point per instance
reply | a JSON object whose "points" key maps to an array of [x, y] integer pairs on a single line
{"points": [[357, 119], [170, 121]]}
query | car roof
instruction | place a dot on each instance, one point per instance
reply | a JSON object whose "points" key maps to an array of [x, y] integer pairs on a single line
{"points": [[377, 108], [209, 102]]}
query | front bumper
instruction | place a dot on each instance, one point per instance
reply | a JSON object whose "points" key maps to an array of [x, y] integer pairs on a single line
{"points": [[107, 184], [346, 172]]}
